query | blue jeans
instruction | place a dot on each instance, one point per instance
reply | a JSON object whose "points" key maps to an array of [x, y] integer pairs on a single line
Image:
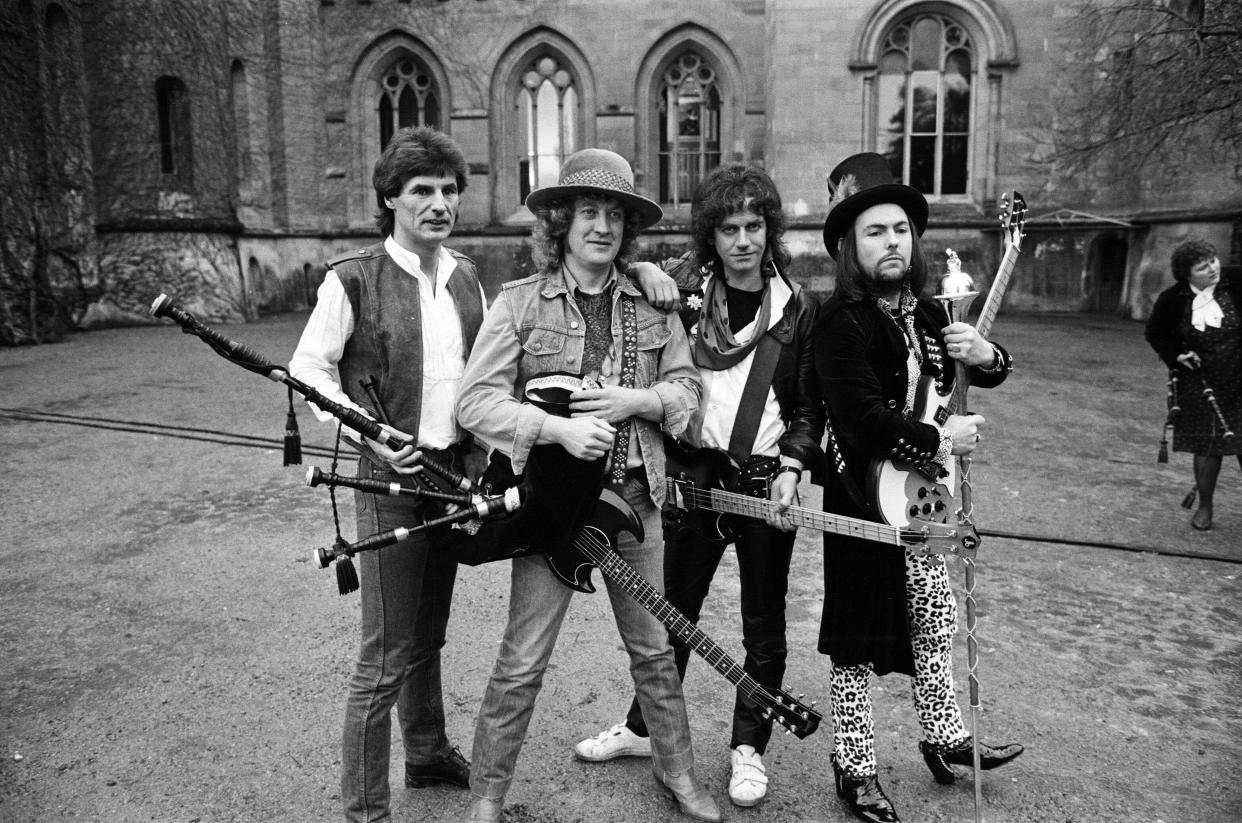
{"points": [[537, 605], [406, 592]]}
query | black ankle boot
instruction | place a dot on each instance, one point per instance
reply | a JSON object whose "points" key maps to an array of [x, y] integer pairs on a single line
{"points": [[941, 759], [865, 797]]}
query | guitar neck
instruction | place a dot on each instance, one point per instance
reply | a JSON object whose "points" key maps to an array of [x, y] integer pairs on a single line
{"points": [[747, 506], [987, 315], [614, 567]]}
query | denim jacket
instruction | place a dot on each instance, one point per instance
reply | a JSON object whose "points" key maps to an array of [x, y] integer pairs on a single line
{"points": [[534, 328]]}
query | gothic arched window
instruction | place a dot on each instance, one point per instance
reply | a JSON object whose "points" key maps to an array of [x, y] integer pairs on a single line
{"points": [[547, 102], [688, 112], [408, 97], [923, 103]]}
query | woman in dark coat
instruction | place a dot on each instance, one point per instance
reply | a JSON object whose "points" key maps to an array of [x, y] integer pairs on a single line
{"points": [[1196, 329]]}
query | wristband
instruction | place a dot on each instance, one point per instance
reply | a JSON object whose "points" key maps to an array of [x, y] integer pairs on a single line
{"points": [[792, 470]]}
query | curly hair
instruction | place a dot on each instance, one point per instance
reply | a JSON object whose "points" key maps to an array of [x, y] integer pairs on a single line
{"points": [[552, 222], [414, 151], [1188, 255], [854, 284], [726, 191]]}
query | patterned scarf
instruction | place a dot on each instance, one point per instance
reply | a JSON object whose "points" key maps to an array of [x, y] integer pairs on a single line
{"points": [[716, 347]]}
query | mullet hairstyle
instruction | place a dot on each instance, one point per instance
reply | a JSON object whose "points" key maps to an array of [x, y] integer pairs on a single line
{"points": [[552, 221], [414, 151], [725, 192], [1188, 255], [854, 284]]}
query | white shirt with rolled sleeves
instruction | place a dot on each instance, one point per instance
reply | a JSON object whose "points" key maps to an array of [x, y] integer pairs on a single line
{"points": [[444, 353]]}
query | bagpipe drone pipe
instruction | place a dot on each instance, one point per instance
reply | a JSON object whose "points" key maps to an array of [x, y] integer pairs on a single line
{"points": [[464, 498], [1177, 376]]}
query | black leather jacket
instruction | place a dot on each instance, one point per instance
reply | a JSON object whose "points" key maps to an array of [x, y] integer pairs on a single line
{"points": [[795, 382]]}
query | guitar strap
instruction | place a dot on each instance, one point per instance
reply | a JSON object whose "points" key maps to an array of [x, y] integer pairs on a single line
{"points": [[754, 398], [629, 371]]}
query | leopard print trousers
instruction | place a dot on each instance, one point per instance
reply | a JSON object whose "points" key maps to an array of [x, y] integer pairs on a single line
{"points": [[933, 621]]}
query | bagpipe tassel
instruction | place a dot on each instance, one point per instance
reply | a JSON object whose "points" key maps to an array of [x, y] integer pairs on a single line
{"points": [[346, 574], [1188, 502], [1163, 457], [293, 438]]}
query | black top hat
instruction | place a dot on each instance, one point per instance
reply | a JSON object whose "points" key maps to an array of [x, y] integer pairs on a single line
{"points": [[599, 172], [860, 182]]}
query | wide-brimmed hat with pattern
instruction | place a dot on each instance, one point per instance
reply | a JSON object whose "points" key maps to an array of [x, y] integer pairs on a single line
{"points": [[860, 182], [601, 172]]}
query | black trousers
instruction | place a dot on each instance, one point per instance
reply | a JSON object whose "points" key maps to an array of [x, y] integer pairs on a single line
{"points": [[763, 557]]}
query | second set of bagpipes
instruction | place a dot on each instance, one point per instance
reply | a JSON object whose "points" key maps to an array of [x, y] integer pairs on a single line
{"points": [[462, 497], [1176, 376]]}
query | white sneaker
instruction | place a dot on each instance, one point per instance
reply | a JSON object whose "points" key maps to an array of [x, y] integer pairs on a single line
{"points": [[749, 783], [618, 741]]}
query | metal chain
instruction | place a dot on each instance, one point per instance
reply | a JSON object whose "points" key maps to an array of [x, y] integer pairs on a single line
{"points": [[972, 622]]}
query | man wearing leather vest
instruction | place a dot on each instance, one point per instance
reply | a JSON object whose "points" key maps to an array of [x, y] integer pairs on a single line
{"points": [[760, 421], [389, 336]]}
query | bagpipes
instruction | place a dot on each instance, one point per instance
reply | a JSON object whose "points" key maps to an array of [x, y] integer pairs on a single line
{"points": [[1175, 409], [466, 497]]}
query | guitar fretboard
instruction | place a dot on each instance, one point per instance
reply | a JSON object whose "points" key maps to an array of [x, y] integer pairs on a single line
{"points": [[614, 567], [610, 564], [719, 500]]}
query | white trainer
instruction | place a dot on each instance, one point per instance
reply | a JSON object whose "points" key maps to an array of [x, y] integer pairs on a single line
{"points": [[749, 783], [618, 741]]}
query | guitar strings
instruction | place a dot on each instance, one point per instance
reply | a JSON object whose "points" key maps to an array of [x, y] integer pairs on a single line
{"points": [[615, 566], [838, 524]]}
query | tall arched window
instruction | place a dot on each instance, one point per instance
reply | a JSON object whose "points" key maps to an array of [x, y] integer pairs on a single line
{"points": [[923, 103], [408, 97], [688, 111], [172, 103], [547, 105]]}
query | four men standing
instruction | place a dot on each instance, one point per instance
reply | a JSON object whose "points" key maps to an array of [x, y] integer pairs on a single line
{"points": [[390, 336]]}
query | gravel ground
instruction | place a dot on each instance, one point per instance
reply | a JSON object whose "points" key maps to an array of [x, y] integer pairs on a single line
{"points": [[171, 654]]}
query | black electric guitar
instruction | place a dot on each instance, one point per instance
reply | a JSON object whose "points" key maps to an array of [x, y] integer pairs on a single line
{"points": [[571, 519], [902, 491], [594, 544], [700, 481]]}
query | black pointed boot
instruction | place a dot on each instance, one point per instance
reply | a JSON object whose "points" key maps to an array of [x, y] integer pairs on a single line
{"points": [[941, 759], [864, 796]]}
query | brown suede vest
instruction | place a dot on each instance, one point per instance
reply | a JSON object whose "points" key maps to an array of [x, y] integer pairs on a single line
{"points": [[387, 342]]}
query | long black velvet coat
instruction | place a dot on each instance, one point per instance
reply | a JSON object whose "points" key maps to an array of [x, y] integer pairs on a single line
{"points": [[860, 358]]}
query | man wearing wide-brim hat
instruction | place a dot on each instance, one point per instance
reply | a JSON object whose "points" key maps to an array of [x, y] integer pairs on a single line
{"points": [[579, 315], [889, 610]]}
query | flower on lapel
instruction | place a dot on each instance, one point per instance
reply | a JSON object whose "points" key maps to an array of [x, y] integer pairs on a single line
{"points": [[695, 301]]}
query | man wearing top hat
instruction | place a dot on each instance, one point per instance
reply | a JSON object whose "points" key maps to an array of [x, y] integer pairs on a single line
{"points": [[887, 610], [579, 315]]}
